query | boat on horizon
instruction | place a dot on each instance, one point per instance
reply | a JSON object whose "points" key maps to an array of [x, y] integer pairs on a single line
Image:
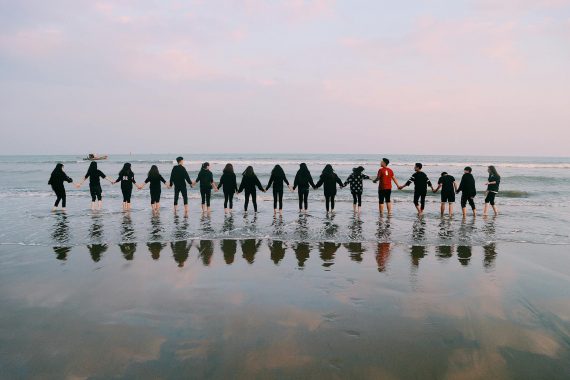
{"points": [[95, 157]]}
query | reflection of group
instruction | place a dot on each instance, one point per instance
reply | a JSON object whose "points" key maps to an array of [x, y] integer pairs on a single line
{"points": [[303, 182]]}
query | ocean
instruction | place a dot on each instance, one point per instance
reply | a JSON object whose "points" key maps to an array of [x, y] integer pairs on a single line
{"points": [[533, 202]]}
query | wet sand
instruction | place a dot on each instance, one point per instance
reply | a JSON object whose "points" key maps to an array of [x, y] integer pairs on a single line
{"points": [[269, 309]]}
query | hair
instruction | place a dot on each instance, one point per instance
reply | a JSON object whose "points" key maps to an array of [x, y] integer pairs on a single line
{"points": [[248, 172], [278, 171], [419, 165], [58, 168], [126, 170], [229, 169], [304, 171], [205, 165], [92, 167], [493, 171], [179, 158], [386, 161], [327, 171], [358, 170], [153, 172], [468, 169], [443, 173]]}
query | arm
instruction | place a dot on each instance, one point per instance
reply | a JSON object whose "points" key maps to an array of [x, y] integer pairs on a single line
{"points": [[258, 184], [339, 182], [67, 178], [295, 181], [396, 182], [171, 180], [430, 184], [241, 186], [84, 179], [319, 183], [147, 180], [455, 186], [187, 178], [311, 182], [437, 188], [102, 175], [271, 179], [221, 183]]}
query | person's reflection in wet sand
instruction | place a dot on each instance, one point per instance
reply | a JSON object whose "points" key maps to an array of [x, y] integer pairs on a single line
{"points": [[383, 230], [249, 248], [96, 251], [206, 224], [278, 225], [206, 251], [127, 229], [228, 226], [128, 250], [446, 231], [229, 248], [489, 227], [355, 229], [60, 236], [356, 250], [180, 228], [444, 252], [467, 229], [327, 252], [277, 250], [302, 229], [302, 252], [464, 254], [155, 248], [490, 251], [383, 256], [61, 253], [156, 228], [181, 251], [417, 252], [330, 228], [419, 229]]}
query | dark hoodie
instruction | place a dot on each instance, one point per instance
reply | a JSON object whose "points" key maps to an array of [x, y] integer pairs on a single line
{"points": [[329, 179]]}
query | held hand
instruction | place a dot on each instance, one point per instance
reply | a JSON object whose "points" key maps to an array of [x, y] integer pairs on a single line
{"points": [[77, 185], [486, 183]]}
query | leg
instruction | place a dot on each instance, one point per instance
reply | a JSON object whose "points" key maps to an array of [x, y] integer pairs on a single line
{"points": [[327, 202], [176, 195], [388, 196], [226, 197], [442, 208], [332, 202], [281, 200], [246, 203], [306, 199], [417, 202], [63, 199], [423, 200], [184, 192], [450, 209], [300, 194], [254, 200], [472, 204], [231, 201], [275, 196], [359, 201], [208, 198]]}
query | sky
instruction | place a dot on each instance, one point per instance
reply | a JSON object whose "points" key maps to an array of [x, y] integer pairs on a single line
{"points": [[482, 77]]}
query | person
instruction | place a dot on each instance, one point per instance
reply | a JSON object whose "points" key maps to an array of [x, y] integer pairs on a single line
{"points": [[94, 175], [127, 179], [329, 180], [249, 182], [421, 182], [276, 179], [154, 178], [178, 177], [492, 189], [57, 180], [206, 179], [228, 182], [355, 179], [303, 181], [448, 188], [468, 191], [385, 177]]}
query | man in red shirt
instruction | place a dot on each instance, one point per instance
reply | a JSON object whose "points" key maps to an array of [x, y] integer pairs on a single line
{"points": [[385, 176]]}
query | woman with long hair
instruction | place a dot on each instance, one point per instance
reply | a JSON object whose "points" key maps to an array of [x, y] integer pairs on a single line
{"points": [[303, 181], [329, 179], [127, 179], [228, 183], [206, 179], [277, 179], [249, 182], [154, 178], [94, 175], [57, 180], [492, 189]]}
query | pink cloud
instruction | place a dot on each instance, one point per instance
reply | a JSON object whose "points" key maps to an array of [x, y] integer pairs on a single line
{"points": [[32, 43]]}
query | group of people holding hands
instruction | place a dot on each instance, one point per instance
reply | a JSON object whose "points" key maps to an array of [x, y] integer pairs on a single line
{"points": [[303, 182]]}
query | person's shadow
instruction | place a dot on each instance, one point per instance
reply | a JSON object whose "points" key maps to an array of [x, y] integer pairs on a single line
{"points": [[327, 251], [464, 254]]}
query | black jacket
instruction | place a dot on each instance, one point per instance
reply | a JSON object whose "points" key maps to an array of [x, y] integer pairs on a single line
{"points": [[329, 182], [249, 183], [179, 176], [467, 185], [229, 183]]}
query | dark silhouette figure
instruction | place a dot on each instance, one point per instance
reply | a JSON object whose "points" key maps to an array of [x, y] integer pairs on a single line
{"points": [[444, 251], [155, 248], [96, 251], [249, 248], [277, 250], [229, 248], [302, 252], [327, 251], [417, 252], [61, 253], [464, 254], [355, 249], [128, 250], [181, 251], [206, 251]]}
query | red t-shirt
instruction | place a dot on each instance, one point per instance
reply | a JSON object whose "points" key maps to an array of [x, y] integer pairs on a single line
{"points": [[385, 176]]}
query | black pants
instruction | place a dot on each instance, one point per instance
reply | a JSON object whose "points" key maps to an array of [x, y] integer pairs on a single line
{"points": [[183, 191], [278, 197], [127, 192], [303, 198], [253, 199], [490, 198], [465, 199], [206, 195], [329, 201], [96, 192], [60, 194], [357, 198], [229, 199], [155, 196], [420, 198]]}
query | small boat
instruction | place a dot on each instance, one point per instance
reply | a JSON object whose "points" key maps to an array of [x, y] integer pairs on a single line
{"points": [[94, 157]]}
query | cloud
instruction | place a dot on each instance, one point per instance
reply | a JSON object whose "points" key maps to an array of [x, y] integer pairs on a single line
{"points": [[32, 43]]}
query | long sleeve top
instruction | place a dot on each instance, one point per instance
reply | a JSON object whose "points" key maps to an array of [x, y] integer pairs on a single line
{"points": [[249, 183], [126, 180], [467, 185], [355, 181], [57, 179], [205, 177], [95, 177], [277, 182], [179, 176], [329, 183], [303, 181], [494, 188], [229, 183], [155, 182], [420, 181]]}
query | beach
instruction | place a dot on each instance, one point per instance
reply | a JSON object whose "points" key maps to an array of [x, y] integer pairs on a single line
{"points": [[113, 294]]}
